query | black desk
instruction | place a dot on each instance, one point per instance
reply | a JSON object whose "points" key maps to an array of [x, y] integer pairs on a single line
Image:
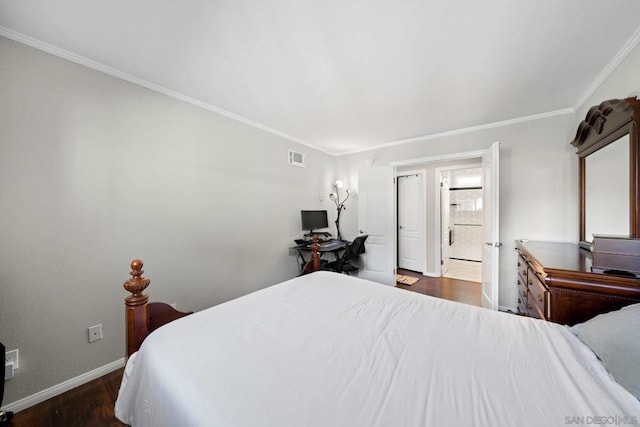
{"points": [[331, 246]]}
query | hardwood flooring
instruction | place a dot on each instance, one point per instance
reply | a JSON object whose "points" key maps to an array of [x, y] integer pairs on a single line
{"points": [[89, 405], [444, 287], [92, 404]]}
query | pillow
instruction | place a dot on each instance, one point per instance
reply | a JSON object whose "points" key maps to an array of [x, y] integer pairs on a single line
{"points": [[615, 338]]}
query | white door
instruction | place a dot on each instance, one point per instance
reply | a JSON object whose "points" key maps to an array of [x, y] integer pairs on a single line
{"points": [[491, 247], [376, 218], [411, 223]]}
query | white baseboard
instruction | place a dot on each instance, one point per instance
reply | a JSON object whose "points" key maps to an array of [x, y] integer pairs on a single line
{"points": [[41, 396]]}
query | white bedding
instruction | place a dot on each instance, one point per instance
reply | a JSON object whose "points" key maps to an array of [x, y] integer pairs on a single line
{"points": [[330, 350]]}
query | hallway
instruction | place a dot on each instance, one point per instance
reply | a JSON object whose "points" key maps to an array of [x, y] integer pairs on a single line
{"points": [[443, 287]]}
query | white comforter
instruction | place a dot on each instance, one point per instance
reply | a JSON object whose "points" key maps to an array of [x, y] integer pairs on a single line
{"points": [[330, 350]]}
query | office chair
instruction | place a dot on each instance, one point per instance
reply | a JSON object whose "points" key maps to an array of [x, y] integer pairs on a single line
{"points": [[346, 262]]}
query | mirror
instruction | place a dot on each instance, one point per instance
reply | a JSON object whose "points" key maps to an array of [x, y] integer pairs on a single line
{"points": [[607, 190], [609, 163]]}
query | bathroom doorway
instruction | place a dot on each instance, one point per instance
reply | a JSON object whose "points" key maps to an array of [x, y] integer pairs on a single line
{"points": [[461, 222]]}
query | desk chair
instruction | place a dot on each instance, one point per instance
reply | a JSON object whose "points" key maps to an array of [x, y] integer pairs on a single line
{"points": [[346, 263]]}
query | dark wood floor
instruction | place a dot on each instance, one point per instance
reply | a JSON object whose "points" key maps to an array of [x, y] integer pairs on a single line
{"points": [[92, 404], [444, 287], [89, 405]]}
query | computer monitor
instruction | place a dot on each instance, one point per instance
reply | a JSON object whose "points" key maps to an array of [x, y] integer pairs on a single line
{"points": [[313, 220]]}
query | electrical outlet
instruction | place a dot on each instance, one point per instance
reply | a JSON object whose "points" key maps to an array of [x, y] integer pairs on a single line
{"points": [[13, 356], [11, 363], [8, 370], [95, 333]]}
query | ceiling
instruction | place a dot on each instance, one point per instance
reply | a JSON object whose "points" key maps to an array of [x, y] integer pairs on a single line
{"points": [[345, 75]]}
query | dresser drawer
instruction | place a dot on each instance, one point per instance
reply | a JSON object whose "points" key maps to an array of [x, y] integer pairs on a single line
{"points": [[538, 294], [522, 305], [522, 287], [522, 294], [522, 284], [533, 310], [522, 267]]}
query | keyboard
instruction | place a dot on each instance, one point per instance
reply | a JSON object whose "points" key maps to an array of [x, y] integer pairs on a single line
{"points": [[331, 243], [308, 242]]}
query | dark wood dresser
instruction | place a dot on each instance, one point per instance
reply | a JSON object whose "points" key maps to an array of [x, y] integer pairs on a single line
{"points": [[555, 283]]}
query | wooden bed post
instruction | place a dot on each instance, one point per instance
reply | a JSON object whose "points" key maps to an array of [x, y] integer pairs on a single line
{"points": [[136, 307], [314, 263], [142, 316]]}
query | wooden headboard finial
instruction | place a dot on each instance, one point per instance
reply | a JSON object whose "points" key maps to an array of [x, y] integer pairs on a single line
{"points": [[143, 317], [136, 307], [314, 263], [137, 284]]}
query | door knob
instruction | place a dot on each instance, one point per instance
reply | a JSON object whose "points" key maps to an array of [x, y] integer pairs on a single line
{"points": [[362, 232]]}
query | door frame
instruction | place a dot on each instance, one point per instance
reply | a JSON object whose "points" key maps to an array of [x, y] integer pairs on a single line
{"points": [[477, 154], [423, 216], [438, 208]]}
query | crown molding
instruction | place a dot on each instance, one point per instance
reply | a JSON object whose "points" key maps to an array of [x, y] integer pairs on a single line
{"points": [[89, 63], [622, 54], [65, 54], [465, 130]]}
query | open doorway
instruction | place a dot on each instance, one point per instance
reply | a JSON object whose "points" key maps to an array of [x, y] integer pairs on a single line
{"points": [[427, 207], [377, 217], [461, 221]]}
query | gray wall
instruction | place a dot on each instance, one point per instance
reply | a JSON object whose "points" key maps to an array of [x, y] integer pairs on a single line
{"points": [[94, 172]]}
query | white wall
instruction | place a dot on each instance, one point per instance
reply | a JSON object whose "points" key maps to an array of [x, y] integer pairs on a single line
{"points": [[623, 82], [538, 182], [538, 170], [94, 172]]}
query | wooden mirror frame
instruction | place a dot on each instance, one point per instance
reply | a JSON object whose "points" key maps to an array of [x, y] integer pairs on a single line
{"points": [[604, 124]]}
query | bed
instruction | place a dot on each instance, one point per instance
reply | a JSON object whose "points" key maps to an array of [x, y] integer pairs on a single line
{"points": [[326, 349]]}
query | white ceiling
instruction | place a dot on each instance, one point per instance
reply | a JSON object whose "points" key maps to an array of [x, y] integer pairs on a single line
{"points": [[344, 75]]}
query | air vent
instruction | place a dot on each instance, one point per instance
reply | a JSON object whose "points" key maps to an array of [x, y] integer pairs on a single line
{"points": [[296, 159]]}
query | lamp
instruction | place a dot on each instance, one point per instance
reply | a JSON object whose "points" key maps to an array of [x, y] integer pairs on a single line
{"points": [[340, 204]]}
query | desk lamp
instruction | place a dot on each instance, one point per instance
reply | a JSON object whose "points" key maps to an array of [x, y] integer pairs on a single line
{"points": [[340, 204]]}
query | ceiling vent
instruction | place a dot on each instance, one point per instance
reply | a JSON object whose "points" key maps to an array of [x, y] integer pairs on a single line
{"points": [[296, 159]]}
